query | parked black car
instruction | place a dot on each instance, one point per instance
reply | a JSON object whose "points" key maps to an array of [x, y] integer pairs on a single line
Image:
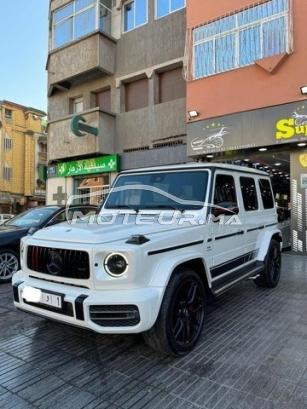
{"points": [[27, 223]]}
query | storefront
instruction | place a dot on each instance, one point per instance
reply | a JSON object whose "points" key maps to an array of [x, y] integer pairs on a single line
{"points": [[272, 139], [83, 181]]}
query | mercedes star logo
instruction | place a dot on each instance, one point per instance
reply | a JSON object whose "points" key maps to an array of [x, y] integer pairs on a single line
{"points": [[54, 262]]}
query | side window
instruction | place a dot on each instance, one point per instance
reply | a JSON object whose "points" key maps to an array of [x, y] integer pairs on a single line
{"points": [[60, 217], [266, 193], [225, 191], [249, 194]]}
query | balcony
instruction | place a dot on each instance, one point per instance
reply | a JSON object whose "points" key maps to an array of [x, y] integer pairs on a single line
{"points": [[81, 60], [64, 144]]}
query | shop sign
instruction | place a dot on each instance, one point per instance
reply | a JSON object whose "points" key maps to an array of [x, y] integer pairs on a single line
{"points": [[51, 171], [261, 127], [89, 166], [296, 125], [39, 192]]}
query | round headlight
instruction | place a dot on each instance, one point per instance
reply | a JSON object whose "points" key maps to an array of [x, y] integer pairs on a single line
{"points": [[116, 264]]}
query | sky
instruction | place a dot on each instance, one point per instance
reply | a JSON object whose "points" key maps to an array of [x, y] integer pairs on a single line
{"points": [[23, 52]]}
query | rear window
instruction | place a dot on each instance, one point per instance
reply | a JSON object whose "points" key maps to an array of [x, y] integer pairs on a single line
{"points": [[266, 194]]}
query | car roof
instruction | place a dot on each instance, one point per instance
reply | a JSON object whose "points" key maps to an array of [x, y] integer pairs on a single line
{"points": [[198, 166]]}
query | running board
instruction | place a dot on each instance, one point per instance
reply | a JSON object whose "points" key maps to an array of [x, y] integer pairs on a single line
{"points": [[251, 274]]}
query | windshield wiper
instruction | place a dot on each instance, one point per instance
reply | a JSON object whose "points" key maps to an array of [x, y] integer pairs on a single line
{"points": [[135, 209], [169, 206]]}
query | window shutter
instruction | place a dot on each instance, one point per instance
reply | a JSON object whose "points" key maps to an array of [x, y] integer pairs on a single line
{"points": [[103, 99], [136, 95], [171, 85]]}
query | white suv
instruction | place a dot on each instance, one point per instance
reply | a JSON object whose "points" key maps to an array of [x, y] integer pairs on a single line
{"points": [[166, 239]]}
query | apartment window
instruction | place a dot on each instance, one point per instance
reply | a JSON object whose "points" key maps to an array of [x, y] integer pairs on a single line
{"points": [[135, 14], [76, 105], [164, 7], [8, 143], [136, 95], [171, 85], [8, 114], [105, 15], [103, 99], [7, 173], [240, 39], [79, 18]]}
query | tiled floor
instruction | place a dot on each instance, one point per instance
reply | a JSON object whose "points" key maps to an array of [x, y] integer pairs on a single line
{"points": [[252, 355]]}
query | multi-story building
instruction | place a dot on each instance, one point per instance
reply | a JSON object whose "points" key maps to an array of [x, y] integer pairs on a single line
{"points": [[114, 67], [246, 93], [22, 171]]}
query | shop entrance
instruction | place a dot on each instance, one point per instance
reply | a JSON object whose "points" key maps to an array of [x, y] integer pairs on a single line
{"points": [[92, 190]]}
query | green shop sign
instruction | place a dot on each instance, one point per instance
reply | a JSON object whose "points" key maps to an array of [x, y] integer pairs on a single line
{"points": [[88, 166]]}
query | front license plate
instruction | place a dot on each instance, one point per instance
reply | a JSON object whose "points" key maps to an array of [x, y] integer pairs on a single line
{"points": [[36, 295], [54, 300]]}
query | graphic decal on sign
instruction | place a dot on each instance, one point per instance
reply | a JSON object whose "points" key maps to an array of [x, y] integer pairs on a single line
{"points": [[212, 139]]}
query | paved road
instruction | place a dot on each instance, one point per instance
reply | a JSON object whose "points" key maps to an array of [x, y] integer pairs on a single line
{"points": [[252, 355]]}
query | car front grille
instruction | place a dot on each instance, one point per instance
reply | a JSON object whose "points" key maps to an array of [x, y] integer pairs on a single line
{"points": [[115, 315], [59, 262]]}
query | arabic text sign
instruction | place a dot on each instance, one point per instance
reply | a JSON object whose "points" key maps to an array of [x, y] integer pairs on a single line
{"points": [[88, 166]]}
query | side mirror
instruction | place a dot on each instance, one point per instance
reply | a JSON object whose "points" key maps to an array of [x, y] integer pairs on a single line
{"points": [[226, 208]]}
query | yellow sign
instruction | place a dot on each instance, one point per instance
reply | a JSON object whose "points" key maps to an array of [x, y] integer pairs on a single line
{"points": [[303, 159], [286, 128]]}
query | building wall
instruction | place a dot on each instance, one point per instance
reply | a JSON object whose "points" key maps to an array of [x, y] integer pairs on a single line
{"points": [[155, 46], [250, 87], [21, 128]]}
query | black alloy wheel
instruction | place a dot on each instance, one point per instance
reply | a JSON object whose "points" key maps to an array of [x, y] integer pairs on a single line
{"points": [[181, 317]]}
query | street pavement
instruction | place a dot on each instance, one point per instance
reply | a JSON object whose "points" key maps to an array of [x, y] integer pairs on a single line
{"points": [[252, 355]]}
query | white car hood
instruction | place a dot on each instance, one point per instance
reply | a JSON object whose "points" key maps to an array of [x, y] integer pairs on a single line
{"points": [[120, 229]]}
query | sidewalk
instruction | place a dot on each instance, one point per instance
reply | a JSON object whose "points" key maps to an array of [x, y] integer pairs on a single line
{"points": [[252, 355]]}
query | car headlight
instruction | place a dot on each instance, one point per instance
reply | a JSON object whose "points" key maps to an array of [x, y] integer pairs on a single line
{"points": [[116, 264]]}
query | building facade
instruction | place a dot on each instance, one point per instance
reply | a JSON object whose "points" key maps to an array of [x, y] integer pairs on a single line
{"points": [[22, 168], [115, 68], [245, 72]]}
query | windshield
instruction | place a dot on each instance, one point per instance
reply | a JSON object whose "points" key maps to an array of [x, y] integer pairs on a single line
{"points": [[31, 218], [182, 190]]}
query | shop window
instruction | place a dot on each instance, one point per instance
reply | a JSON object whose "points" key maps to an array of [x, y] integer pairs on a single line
{"points": [[136, 95], [165, 7], [92, 190], [171, 85], [103, 99], [135, 14], [239, 39]]}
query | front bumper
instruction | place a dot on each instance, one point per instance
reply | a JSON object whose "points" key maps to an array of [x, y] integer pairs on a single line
{"points": [[106, 312]]}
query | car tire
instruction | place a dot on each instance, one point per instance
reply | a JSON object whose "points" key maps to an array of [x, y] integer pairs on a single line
{"points": [[9, 264], [270, 275], [181, 316]]}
